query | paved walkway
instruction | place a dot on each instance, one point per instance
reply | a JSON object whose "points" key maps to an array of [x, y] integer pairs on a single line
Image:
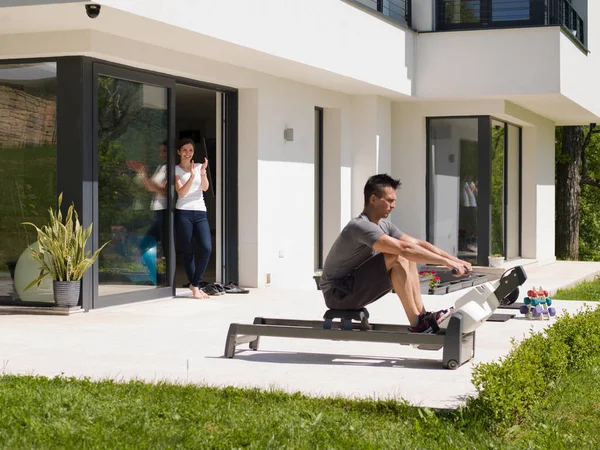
{"points": [[182, 340]]}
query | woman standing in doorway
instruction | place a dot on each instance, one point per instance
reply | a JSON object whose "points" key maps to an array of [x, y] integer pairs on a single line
{"points": [[191, 181]]}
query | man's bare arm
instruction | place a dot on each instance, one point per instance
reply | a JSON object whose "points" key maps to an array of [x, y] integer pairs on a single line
{"points": [[432, 248], [411, 249]]}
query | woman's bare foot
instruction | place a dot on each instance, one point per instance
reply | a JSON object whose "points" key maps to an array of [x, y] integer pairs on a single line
{"points": [[199, 293]]}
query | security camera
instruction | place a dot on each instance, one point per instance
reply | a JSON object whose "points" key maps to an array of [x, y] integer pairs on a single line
{"points": [[92, 10]]}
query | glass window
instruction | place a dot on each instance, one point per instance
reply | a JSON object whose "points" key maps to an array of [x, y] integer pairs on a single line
{"points": [[513, 201], [497, 189], [27, 173], [454, 144], [455, 188], [510, 10], [394, 9], [132, 171], [462, 11]]}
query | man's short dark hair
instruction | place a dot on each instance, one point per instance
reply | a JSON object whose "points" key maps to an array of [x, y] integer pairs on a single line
{"points": [[377, 183]]}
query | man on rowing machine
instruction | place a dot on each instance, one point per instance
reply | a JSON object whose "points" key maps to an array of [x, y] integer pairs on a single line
{"points": [[372, 255]]}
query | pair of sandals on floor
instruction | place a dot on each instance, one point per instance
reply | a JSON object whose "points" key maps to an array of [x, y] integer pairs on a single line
{"points": [[220, 289]]}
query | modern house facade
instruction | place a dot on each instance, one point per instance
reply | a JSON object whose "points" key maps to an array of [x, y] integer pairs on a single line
{"points": [[295, 103]]}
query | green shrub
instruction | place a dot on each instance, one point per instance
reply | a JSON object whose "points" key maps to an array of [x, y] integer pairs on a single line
{"points": [[509, 388]]}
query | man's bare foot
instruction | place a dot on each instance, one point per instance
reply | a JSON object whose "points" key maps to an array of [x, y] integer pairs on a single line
{"points": [[198, 293]]}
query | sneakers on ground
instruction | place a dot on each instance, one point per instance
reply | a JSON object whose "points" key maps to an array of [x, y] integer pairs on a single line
{"points": [[219, 287], [211, 290]]}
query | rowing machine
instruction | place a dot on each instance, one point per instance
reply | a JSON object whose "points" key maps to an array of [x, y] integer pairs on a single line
{"points": [[456, 334]]}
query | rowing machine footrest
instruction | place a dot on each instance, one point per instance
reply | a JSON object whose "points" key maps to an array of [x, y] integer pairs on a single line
{"points": [[346, 317]]}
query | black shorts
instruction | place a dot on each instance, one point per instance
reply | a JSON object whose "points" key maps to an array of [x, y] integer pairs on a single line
{"points": [[365, 284]]}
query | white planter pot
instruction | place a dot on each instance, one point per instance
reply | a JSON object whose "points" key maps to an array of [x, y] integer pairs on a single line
{"points": [[496, 261]]}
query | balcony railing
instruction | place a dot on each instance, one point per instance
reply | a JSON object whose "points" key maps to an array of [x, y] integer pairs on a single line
{"points": [[478, 14], [396, 10]]}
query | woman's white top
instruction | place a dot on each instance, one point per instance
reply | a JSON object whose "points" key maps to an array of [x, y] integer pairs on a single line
{"points": [[159, 201], [194, 199], [468, 194]]}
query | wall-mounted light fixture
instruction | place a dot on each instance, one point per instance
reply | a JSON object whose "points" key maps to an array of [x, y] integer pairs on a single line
{"points": [[288, 134]]}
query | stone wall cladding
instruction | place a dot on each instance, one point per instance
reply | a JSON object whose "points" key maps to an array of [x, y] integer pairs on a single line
{"points": [[26, 120]]}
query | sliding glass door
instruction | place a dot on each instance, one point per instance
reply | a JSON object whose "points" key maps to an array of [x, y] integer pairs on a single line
{"points": [[133, 120], [474, 187], [454, 182]]}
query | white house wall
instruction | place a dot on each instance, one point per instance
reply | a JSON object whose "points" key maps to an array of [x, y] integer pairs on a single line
{"points": [[579, 71], [423, 15], [538, 181], [485, 63], [539, 68], [285, 182], [355, 44], [287, 38], [371, 123]]}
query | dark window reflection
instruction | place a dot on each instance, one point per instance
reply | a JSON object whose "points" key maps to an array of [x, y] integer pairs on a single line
{"points": [[27, 173], [132, 131]]}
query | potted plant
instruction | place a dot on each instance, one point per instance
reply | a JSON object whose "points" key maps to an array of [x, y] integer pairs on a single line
{"points": [[61, 254], [496, 260], [425, 278], [429, 281]]}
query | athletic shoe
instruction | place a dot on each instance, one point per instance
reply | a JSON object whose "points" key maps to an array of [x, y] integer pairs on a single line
{"points": [[443, 314], [219, 287], [211, 290], [428, 322], [423, 324], [232, 288]]}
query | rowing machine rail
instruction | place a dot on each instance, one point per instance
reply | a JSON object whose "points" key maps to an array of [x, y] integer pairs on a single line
{"points": [[458, 347]]}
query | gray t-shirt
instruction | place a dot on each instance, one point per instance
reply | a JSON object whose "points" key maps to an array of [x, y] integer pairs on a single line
{"points": [[354, 246]]}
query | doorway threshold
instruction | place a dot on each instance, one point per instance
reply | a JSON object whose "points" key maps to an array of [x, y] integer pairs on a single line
{"points": [[40, 310]]}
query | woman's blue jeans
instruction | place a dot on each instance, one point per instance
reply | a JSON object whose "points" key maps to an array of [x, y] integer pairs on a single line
{"points": [[193, 226]]}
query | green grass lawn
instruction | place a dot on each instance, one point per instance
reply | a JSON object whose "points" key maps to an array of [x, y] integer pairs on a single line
{"points": [[68, 413], [586, 290], [570, 417], [61, 413]]}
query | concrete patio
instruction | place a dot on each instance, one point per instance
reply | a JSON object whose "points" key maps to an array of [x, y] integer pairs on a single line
{"points": [[182, 340]]}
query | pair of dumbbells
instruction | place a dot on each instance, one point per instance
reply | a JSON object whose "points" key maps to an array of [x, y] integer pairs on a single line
{"points": [[537, 311], [537, 307]]}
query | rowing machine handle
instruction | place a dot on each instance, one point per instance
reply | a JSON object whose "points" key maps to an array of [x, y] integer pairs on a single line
{"points": [[455, 271]]}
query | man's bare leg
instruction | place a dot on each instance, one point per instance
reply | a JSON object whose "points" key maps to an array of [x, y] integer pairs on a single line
{"points": [[405, 280]]}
